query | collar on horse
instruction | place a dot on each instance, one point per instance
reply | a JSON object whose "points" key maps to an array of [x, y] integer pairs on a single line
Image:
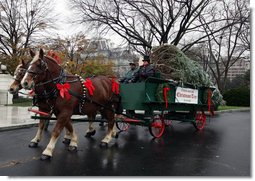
{"points": [[61, 79]]}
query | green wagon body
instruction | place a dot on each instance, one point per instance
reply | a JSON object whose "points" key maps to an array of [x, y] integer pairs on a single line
{"points": [[148, 99], [148, 96]]}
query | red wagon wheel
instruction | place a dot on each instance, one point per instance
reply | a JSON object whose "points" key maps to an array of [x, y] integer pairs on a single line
{"points": [[157, 126], [200, 120]]}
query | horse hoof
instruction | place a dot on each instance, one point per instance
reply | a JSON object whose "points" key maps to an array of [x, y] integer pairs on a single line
{"points": [[45, 157], [66, 141], [33, 145], [89, 134], [103, 145], [72, 148], [116, 135]]}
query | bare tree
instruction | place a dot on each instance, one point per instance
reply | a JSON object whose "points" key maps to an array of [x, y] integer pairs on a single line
{"points": [[228, 46], [143, 22], [20, 22], [221, 26]]}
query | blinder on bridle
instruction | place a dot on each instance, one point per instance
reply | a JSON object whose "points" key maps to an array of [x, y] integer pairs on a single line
{"points": [[42, 68], [19, 74]]}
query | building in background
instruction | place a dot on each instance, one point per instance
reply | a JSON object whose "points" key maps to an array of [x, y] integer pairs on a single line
{"points": [[239, 68], [5, 81], [120, 56]]}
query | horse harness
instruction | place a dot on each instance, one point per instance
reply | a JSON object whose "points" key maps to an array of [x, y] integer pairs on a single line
{"points": [[48, 96]]}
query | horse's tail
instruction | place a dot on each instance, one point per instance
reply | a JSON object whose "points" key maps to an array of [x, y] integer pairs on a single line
{"points": [[116, 96], [118, 105]]}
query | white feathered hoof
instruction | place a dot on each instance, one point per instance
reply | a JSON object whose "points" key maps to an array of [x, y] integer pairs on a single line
{"points": [[89, 134], [103, 145], [66, 141], [45, 157], [72, 148], [33, 145]]}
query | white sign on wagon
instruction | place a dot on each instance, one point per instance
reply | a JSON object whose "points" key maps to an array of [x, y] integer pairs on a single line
{"points": [[186, 95]]}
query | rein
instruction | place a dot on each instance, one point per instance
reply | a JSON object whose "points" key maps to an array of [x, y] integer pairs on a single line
{"points": [[59, 80], [89, 100], [55, 80]]}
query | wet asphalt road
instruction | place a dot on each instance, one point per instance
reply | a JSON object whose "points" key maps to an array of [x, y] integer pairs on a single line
{"points": [[222, 149]]}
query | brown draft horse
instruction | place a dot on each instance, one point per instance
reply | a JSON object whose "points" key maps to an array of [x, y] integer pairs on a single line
{"points": [[45, 73], [18, 76], [42, 105]]}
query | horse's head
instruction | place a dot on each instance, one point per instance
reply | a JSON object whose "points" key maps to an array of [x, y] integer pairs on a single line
{"points": [[19, 74], [36, 72]]}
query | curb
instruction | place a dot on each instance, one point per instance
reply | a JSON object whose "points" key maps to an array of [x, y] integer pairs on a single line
{"points": [[8, 128], [228, 111], [233, 110]]}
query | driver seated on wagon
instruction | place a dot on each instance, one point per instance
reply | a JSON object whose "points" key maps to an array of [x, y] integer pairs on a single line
{"points": [[145, 71]]}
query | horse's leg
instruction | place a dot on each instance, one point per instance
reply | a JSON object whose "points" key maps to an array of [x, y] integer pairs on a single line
{"points": [[46, 125], [62, 120], [73, 137], [39, 134], [111, 132], [91, 131], [114, 132], [67, 137], [34, 142]]}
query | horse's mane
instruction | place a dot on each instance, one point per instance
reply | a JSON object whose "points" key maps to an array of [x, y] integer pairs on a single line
{"points": [[25, 62], [51, 59]]}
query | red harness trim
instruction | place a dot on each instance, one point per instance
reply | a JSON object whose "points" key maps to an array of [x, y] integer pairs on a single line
{"points": [[89, 85], [64, 90], [31, 93], [115, 86], [53, 55]]}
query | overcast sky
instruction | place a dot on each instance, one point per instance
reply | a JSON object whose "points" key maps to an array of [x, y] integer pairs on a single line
{"points": [[66, 29], [64, 14]]}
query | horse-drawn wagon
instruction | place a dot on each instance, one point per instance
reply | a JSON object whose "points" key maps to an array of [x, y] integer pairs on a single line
{"points": [[156, 101], [151, 103]]}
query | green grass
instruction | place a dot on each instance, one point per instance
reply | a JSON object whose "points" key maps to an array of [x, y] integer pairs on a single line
{"points": [[220, 108], [22, 102]]}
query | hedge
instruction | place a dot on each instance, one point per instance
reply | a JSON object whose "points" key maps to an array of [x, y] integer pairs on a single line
{"points": [[237, 97]]}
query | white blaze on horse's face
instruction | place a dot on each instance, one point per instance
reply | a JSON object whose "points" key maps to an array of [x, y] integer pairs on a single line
{"points": [[17, 71], [15, 86], [27, 82]]}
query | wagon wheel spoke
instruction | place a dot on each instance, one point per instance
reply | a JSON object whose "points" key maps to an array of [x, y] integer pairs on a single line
{"points": [[122, 126], [200, 120], [157, 127]]}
